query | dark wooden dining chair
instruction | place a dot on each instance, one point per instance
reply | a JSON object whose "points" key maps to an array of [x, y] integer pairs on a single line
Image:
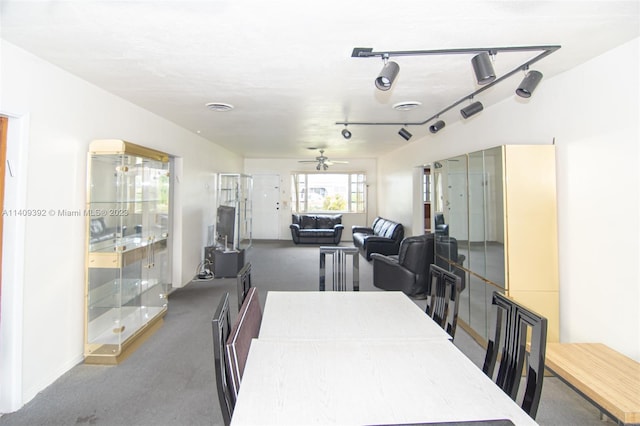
{"points": [[221, 324], [443, 297], [243, 283], [246, 328], [519, 361], [339, 272]]}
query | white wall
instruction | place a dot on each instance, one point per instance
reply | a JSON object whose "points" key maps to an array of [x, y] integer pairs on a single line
{"points": [[63, 114], [592, 112], [285, 167]]}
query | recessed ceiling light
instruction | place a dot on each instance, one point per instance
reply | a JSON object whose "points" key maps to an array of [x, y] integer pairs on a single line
{"points": [[406, 105], [219, 106]]}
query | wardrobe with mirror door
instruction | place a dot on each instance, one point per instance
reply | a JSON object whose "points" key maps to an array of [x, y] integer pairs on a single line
{"points": [[499, 207]]}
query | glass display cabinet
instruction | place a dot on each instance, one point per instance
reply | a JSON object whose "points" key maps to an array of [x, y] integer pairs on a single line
{"points": [[233, 225], [234, 213], [499, 206], [128, 267]]}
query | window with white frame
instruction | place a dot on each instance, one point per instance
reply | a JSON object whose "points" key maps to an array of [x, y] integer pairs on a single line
{"points": [[328, 192]]}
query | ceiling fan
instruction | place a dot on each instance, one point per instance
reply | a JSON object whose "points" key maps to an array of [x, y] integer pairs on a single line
{"points": [[323, 162]]}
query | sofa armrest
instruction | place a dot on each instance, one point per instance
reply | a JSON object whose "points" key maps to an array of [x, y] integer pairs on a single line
{"points": [[377, 240], [361, 230], [295, 232], [383, 259], [338, 226]]}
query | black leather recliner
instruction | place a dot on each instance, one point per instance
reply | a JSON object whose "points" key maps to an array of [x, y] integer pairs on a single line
{"points": [[448, 258], [441, 227], [408, 270]]}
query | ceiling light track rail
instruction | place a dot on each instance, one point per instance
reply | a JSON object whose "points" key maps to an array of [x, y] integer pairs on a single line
{"points": [[360, 52], [367, 52]]}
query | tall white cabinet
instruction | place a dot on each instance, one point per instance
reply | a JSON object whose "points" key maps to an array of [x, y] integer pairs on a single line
{"points": [[500, 205], [128, 265]]}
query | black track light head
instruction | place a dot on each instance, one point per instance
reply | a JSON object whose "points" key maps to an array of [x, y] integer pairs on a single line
{"points": [[529, 84], [483, 68], [387, 75], [471, 109], [405, 134], [437, 126]]}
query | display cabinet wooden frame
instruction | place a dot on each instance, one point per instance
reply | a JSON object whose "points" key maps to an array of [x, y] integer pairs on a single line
{"points": [[128, 262]]}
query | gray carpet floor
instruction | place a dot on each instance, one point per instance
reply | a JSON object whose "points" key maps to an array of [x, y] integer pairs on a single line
{"points": [[169, 380]]}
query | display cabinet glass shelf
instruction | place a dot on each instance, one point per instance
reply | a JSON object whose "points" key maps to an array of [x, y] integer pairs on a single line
{"points": [[128, 266]]}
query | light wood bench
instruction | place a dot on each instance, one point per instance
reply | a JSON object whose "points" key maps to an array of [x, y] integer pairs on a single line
{"points": [[608, 379]]}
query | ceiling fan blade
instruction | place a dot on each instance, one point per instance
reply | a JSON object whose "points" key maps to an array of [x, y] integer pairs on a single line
{"points": [[307, 161]]}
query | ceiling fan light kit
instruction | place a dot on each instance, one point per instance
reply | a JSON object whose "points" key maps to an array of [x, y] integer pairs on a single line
{"points": [[322, 162], [482, 64]]}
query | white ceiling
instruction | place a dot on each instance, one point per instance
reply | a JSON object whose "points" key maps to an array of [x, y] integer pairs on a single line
{"points": [[286, 65]]}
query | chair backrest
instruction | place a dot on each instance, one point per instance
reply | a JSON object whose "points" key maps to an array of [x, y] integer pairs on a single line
{"points": [[441, 228], [246, 328], [416, 253], [339, 272], [443, 298], [221, 325], [388, 229], [508, 343], [243, 283]]}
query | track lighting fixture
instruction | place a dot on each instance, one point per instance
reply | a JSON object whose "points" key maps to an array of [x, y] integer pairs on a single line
{"points": [[388, 74], [529, 84], [437, 126], [483, 68], [471, 109], [346, 133], [405, 134], [484, 72]]}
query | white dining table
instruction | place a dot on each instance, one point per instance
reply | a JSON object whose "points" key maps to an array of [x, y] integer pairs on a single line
{"points": [[337, 315], [366, 382]]}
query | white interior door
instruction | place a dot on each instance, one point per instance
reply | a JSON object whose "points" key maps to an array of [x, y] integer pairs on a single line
{"points": [[266, 207]]}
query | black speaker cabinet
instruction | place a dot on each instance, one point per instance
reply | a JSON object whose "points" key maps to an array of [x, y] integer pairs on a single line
{"points": [[223, 264]]}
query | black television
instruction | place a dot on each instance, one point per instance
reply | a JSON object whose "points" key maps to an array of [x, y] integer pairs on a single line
{"points": [[225, 225]]}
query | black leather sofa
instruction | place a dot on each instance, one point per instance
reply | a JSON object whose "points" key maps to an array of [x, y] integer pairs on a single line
{"points": [[384, 237], [409, 270], [99, 231], [316, 228]]}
